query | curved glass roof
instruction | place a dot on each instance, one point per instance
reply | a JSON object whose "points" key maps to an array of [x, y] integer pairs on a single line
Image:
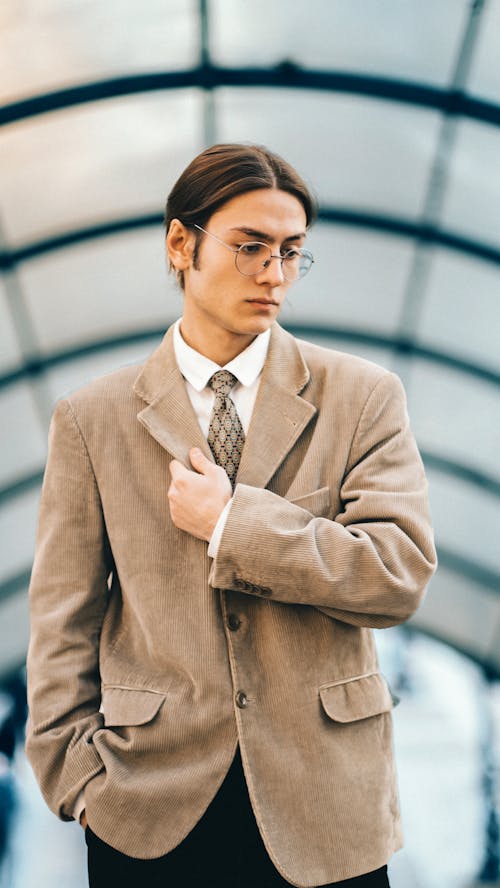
{"points": [[391, 111]]}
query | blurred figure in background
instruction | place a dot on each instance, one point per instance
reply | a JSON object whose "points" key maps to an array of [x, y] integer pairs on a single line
{"points": [[12, 721]]}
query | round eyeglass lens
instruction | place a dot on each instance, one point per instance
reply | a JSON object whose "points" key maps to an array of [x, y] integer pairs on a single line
{"points": [[252, 258], [296, 263]]}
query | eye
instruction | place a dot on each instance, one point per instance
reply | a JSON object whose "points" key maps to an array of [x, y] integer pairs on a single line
{"points": [[251, 248], [293, 253]]}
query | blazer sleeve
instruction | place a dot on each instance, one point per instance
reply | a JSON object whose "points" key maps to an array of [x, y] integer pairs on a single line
{"points": [[367, 566], [68, 598]]}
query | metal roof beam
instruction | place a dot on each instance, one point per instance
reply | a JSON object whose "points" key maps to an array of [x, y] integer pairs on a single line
{"points": [[286, 75]]}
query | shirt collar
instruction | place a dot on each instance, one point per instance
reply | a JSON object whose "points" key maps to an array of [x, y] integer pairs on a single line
{"points": [[198, 369]]}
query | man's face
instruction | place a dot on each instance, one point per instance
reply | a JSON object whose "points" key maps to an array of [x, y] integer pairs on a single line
{"points": [[220, 304]]}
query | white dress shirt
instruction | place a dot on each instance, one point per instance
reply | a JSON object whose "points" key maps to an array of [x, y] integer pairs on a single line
{"points": [[197, 370]]}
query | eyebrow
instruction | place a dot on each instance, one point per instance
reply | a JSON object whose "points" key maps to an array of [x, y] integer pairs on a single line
{"points": [[263, 236]]}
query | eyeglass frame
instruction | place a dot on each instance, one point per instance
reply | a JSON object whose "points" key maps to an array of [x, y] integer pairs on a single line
{"points": [[237, 250]]}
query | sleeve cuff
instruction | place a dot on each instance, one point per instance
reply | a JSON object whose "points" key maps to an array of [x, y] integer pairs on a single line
{"points": [[213, 546]]}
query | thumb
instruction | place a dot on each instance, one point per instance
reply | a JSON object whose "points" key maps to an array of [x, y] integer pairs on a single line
{"points": [[199, 461]]}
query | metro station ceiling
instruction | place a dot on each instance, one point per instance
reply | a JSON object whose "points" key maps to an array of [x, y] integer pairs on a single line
{"points": [[390, 109]]}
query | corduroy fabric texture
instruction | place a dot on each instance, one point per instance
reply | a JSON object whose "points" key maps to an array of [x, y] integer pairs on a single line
{"points": [[141, 681]]}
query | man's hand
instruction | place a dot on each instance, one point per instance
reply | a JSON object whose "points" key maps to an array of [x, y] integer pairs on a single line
{"points": [[197, 498]]}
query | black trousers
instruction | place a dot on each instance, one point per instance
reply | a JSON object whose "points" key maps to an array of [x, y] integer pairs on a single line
{"points": [[224, 850]]}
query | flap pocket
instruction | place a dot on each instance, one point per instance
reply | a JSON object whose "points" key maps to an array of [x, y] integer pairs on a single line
{"points": [[353, 699], [129, 706], [317, 502]]}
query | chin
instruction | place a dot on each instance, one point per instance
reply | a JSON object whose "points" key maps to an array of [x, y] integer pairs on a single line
{"points": [[260, 325]]}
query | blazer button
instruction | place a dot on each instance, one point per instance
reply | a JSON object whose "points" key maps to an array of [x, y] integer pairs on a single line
{"points": [[234, 622], [241, 700]]}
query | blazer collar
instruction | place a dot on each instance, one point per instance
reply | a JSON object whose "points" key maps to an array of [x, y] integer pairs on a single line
{"points": [[279, 416]]}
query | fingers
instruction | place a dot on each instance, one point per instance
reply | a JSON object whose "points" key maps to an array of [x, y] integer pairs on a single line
{"points": [[199, 461], [182, 479], [205, 466], [177, 470], [197, 496]]}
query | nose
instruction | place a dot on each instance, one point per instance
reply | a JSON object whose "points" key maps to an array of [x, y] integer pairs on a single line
{"points": [[272, 272]]}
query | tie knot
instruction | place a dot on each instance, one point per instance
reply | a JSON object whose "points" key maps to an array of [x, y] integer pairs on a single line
{"points": [[222, 382]]}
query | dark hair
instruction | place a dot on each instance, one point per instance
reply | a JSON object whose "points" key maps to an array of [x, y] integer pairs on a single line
{"points": [[224, 171]]}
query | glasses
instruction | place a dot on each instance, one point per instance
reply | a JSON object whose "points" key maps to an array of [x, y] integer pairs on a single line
{"points": [[254, 257]]}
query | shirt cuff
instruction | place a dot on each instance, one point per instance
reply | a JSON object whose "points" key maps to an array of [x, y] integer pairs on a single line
{"points": [[213, 546], [79, 807]]}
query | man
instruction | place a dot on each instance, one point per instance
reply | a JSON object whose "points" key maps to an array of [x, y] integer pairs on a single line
{"points": [[218, 532]]}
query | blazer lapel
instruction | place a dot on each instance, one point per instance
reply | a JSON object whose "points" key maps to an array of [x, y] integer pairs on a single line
{"points": [[280, 415], [169, 416]]}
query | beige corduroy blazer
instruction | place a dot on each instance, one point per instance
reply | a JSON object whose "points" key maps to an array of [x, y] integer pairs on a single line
{"points": [[141, 680]]}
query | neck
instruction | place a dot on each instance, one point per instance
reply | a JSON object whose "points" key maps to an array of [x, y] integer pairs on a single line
{"points": [[221, 347]]}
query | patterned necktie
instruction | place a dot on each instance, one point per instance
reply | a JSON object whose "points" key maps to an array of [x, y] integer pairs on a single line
{"points": [[225, 434]]}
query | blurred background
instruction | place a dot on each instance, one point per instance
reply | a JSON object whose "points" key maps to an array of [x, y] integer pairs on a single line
{"points": [[390, 109]]}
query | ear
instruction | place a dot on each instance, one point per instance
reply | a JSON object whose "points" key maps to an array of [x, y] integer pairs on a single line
{"points": [[180, 242]]}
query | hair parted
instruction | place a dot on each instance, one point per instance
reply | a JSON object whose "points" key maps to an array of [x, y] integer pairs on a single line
{"points": [[224, 171]]}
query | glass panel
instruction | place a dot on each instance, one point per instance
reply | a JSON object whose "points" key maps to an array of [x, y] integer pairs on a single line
{"points": [[10, 353], [461, 311], [357, 280], [23, 445], [485, 73], [14, 620], [49, 44], [411, 41], [18, 519], [99, 289], [100, 161], [64, 379], [472, 204], [376, 354], [456, 416], [356, 152], [476, 612], [466, 519]]}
